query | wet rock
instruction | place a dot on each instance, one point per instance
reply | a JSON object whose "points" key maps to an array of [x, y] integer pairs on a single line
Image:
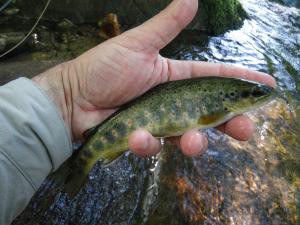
{"points": [[24, 68], [11, 11], [2, 44], [294, 3], [109, 26], [112, 195], [8, 40], [222, 15], [214, 16], [233, 182], [65, 25], [249, 183], [51, 43]]}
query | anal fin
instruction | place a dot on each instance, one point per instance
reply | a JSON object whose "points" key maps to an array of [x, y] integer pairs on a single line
{"points": [[210, 119]]}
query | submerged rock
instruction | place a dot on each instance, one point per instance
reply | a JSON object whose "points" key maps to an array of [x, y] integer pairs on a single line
{"points": [[25, 68], [294, 3], [112, 195], [65, 25], [214, 16], [11, 11], [7, 40], [255, 182]]}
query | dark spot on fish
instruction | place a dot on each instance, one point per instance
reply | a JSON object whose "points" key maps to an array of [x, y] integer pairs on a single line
{"points": [[98, 146], [158, 114], [121, 129], [142, 121], [226, 109], [87, 153], [110, 137], [221, 93], [232, 94], [227, 95], [245, 94]]}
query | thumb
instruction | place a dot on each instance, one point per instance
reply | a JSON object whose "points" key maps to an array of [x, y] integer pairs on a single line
{"points": [[158, 31]]}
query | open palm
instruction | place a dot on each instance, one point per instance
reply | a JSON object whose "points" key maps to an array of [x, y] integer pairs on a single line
{"points": [[120, 69]]}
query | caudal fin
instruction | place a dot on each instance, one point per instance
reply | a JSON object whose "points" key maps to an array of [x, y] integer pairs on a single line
{"points": [[74, 182], [68, 178], [60, 175]]}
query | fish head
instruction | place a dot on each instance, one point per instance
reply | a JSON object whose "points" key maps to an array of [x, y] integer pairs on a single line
{"points": [[249, 95]]}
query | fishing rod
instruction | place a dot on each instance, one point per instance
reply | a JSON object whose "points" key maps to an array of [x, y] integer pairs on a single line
{"points": [[5, 5], [30, 31]]}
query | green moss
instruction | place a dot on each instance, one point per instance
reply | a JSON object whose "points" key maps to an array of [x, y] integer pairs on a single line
{"points": [[270, 64], [223, 15]]}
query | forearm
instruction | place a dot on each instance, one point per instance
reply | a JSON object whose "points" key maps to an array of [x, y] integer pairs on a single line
{"points": [[34, 142], [55, 83]]}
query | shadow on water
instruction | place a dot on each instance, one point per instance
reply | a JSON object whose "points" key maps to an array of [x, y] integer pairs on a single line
{"points": [[255, 182]]}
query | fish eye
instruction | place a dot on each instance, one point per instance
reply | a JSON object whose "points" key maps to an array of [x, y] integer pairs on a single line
{"points": [[258, 93]]}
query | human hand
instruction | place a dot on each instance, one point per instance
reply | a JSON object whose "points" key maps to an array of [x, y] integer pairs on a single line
{"points": [[91, 87]]}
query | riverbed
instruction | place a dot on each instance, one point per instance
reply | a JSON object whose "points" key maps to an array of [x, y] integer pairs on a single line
{"points": [[254, 182]]}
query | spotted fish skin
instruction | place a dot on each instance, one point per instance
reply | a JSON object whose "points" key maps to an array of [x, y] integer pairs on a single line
{"points": [[167, 110]]}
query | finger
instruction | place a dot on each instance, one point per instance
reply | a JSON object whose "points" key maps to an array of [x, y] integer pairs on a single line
{"points": [[164, 27], [82, 128], [240, 128], [193, 143], [142, 143], [186, 69]]}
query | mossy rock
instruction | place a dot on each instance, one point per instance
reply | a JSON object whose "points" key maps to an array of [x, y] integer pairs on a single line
{"points": [[222, 15], [214, 16]]}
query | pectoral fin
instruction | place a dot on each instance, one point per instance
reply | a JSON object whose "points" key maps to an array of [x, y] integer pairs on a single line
{"points": [[210, 119]]}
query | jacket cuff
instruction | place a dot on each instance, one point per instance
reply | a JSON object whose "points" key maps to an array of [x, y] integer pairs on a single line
{"points": [[33, 134]]}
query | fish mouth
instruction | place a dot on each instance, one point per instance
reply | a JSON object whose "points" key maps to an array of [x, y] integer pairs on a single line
{"points": [[262, 101]]}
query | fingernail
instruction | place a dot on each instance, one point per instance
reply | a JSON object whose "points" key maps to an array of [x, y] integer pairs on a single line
{"points": [[145, 144], [196, 143]]}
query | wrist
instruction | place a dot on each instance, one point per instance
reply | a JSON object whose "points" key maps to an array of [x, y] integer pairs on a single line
{"points": [[56, 84]]}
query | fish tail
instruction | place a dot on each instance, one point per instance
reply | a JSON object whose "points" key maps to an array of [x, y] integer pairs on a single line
{"points": [[73, 183], [59, 176], [68, 178]]}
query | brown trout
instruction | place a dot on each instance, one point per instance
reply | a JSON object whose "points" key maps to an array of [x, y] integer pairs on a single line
{"points": [[167, 110]]}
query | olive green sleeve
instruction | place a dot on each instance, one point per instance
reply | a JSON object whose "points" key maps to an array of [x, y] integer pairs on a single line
{"points": [[33, 142]]}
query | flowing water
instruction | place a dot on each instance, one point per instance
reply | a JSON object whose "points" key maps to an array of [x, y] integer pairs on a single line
{"points": [[254, 182]]}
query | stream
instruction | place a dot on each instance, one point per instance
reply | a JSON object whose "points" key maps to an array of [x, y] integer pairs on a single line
{"points": [[254, 182]]}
